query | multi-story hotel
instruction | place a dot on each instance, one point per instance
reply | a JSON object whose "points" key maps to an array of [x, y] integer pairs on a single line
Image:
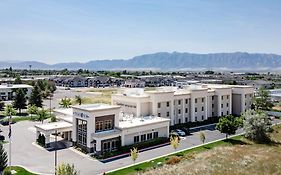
{"points": [[136, 115]]}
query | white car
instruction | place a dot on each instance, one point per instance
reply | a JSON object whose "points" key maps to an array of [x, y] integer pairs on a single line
{"points": [[180, 132]]}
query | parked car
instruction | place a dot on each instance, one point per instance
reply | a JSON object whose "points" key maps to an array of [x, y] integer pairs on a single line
{"points": [[174, 134], [186, 130], [180, 132]]}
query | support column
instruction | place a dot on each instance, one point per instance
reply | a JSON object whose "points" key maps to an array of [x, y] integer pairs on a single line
{"points": [[206, 107], [47, 140], [183, 111], [37, 134], [192, 109], [230, 103], [172, 115], [98, 146], [138, 110]]}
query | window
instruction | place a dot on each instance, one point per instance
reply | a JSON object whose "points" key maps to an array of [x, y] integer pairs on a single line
{"points": [[195, 100], [159, 114], [108, 125], [213, 114], [221, 97], [250, 95], [143, 137], [221, 105], [202, 117], [196, 118], [159, 105], [245, 95], [186, 119], [179, 111], [149, 136], [245, 104], [213, 97], [168, 114], [227, 112], [179, 102], [168, 104], [136, 139], [226, 104], [186, 110], [195, 109], [227, 97], [202, 108], [81, 132], [213, 105], [202, 100], [155, 135], [106, 146], [221, 113], [179, 120], [186, 101], [99, 126]]}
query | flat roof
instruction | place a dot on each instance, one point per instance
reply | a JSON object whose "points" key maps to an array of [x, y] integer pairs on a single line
{"points": [[95, 107], [64, 111], [14, 86], [140, 121], [54, 126]]}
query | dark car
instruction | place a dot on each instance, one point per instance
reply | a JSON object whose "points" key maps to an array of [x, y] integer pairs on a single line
{"points": [[186, 130]]}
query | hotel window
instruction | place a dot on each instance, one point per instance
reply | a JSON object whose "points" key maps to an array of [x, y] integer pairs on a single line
{"points": [[179, 102], [108, 124], [186, 119], [136, 139], [250, 95], [245, 95], [179, 111], [202, 100], [195, 109], [221, 105], [196, 118], [114, 145], [143, 137], [221, 97], [186, 110], [202, 117], [159, 114], [155, 135], [226, 104], [213, 105], [195, 100], [186, 101], [99, 126], [227, 97], [168, 104], [106, 146], [168, 114], [213, 114], [81, 132], [149, 136], [221, 113], [227, 112], [213, 97], [159, 105], [202, 108], [179, 120]]}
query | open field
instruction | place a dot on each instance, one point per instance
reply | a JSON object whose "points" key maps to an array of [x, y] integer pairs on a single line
{"points": [[240, 156]]}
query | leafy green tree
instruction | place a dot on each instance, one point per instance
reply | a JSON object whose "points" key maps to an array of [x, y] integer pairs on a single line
{"points": [[2, 104], [202, 137], [174, 141], [53, 118], [78, 99], [134, 154], [3, 158], [42, 115], [262, 100], [257, 126], [66, 169], [18, 80], [20, 100], [9, 110], [36, 97], [228, 125], [32, 109], [65, 102]]}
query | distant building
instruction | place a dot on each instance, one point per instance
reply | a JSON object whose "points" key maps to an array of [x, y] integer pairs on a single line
{"points": [[7, 91]]}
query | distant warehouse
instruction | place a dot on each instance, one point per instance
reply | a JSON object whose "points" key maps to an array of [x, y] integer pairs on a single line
{"points": [[7, 91]]}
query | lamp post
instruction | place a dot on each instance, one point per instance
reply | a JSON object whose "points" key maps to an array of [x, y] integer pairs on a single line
{"points": [[56, 150]]}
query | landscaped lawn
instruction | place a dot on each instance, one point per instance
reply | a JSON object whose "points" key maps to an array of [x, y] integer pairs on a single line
{"points": [[21, 171], [232, 156]]}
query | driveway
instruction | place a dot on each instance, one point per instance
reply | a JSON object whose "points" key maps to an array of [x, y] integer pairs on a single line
{"points": [[39, 160]]}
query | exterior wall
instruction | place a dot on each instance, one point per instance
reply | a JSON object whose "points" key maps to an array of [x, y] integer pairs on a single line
{"points": [[236, 101]]}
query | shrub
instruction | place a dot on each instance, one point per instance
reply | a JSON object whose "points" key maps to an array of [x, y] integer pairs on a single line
{"points": [[173, 160], [7, 172]]}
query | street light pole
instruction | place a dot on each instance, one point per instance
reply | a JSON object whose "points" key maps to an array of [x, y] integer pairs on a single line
{"points": [[10, 139], [56, 153]]}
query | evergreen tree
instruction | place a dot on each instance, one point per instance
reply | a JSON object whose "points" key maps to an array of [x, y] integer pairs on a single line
{"points": [[36, 97], [20, 100], [3, 158], [18, 80]]}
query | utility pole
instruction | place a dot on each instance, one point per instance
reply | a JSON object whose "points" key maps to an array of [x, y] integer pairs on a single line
{"points": [[10, 139], [56, 151]]}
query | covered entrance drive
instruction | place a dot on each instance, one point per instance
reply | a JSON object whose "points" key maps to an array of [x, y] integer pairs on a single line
{"points": [[62, 128]]}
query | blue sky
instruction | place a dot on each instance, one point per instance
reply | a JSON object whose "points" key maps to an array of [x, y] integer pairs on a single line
{"points": [[67, 30]]}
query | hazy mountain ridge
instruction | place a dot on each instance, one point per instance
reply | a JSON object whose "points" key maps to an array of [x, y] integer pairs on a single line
{"points": [[167, 61]]}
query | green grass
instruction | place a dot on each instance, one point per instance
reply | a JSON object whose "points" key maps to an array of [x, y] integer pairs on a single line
{"points": [[146, 165], [20, 171]]}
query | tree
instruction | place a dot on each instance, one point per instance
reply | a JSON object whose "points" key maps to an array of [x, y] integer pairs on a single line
{"points": [[78, 99], [66, 169], [32, 109], [257, 125], [65, 102], [18, 80], [20, 100], [36, 97], [228, 125], [53, 118], [42, 115], [202, 137], [262, 100], [134, 154], [3, 158], [174, 141], [9, 110]]}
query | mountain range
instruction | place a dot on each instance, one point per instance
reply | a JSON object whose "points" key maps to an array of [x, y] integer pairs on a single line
{"points": [[167, 61]]}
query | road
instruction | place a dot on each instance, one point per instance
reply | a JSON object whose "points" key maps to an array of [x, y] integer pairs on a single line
{"points": [[39, 160]]}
